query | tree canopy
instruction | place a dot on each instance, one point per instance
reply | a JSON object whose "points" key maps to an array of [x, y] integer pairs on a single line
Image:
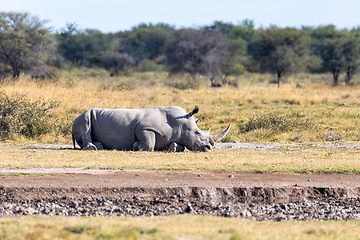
{"points": [[197, 52], [279, 51], [214, 51], [24, 42]]}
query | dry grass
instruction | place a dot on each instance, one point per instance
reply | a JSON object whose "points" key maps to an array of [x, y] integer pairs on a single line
{"points": [[298, 158], [312, 113], [173, 227], [332, 111]]}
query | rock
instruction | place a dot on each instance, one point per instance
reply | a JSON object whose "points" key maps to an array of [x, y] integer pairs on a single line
{"points": [[188, 208], [74, 204]]}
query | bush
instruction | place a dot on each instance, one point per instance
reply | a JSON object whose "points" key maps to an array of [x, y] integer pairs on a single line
{"points": [[19, 116], [277, 123], [117, 62]]}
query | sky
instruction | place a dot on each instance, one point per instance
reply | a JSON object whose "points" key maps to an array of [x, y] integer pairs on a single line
{"points": [[120, 15]]}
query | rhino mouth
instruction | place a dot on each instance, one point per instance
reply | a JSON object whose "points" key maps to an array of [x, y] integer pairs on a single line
{"points": [[204, 148], [207, 148], [200, 148]]}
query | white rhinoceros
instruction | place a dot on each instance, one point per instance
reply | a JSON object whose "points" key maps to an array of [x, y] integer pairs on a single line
{"points": [[156, 128]]}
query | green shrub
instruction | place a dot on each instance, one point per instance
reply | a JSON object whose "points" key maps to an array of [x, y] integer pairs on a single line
{"points": [[63, 126], [279, 123], [19, 116]]}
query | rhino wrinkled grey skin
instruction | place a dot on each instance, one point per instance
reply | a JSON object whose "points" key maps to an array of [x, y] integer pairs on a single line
{"points": [[156, 128]]}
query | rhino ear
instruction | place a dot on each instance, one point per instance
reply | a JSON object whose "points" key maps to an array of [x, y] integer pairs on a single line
{"points": [[207, 131], [195, 110]]}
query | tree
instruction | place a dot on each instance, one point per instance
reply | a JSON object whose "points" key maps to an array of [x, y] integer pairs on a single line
{"points": [[116, 62], [237, 37], [81, 47], [146, 41], [318, 35], [351, 52], [333, 57], [331, 45], [236, 58], [224, 28], [197, 52], [279, 51], [24, 42]]}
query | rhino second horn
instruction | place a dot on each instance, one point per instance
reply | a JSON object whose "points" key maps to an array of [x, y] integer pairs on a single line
{"points": [[217, 138]]}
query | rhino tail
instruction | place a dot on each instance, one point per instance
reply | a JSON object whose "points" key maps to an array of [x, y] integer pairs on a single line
{"points": [[73, 139]]}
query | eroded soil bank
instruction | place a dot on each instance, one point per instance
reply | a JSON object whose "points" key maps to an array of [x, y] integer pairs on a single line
{"points": [[254, 195]]}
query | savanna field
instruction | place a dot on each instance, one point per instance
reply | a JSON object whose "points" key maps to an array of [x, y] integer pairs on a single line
{"points": [[305, 109], [306, 112]]}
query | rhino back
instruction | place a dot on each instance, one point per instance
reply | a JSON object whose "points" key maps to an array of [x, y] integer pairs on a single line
{"points": [[114, 128]]}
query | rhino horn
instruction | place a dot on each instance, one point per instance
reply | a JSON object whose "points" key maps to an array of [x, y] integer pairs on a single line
{"points": [[217, 138]]}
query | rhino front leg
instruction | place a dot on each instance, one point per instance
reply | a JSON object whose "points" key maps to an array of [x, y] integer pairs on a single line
{"points": [[175, 147], [146, 141]]}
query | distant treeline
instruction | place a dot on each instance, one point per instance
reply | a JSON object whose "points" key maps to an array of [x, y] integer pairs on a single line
{"points": [[215, 51]]}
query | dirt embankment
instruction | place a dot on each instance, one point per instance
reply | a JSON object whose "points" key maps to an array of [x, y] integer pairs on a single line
{"points": [[249, 194], [255, 195]]}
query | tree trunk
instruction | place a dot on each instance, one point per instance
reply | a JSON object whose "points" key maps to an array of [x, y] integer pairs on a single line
{"points": [[348, 76], [347, 79], [279, 77], [16, 72], [336, 77]]}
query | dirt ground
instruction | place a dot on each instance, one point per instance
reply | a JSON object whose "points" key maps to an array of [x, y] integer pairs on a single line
{"points": [[197, 184], [192, 186], [80, 178]]}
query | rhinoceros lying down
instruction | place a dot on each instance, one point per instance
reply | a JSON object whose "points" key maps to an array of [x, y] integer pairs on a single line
{"points": [[156, 128]]}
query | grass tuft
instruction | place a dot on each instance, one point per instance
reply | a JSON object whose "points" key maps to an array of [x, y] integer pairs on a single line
{"points": [[278, 123]]}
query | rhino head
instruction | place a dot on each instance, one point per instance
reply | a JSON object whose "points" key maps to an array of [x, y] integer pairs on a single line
{"points": [[195, 139]]}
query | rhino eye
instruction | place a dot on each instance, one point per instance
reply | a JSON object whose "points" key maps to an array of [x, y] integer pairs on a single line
{"points": [[197, 133]]}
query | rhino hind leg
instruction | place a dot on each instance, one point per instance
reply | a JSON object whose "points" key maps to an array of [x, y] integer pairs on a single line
{"points": [[94, 146], [98, 145], [90, 146], [81, 132]]}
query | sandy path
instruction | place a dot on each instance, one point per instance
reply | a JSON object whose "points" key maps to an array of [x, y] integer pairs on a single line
{"points": [[76, 177]]}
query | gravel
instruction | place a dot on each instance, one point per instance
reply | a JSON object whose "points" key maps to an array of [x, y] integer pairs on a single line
{"points": [[299, 211], [111, 202]]}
